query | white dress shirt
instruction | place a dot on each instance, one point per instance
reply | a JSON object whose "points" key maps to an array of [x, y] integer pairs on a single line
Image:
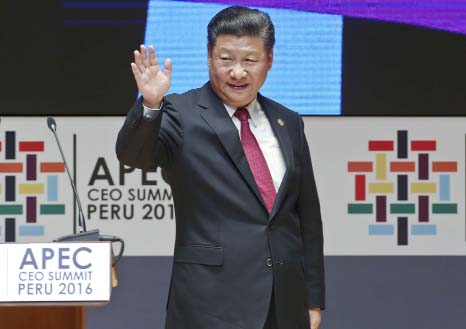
{"points": [[268, 143], [262, 130]]}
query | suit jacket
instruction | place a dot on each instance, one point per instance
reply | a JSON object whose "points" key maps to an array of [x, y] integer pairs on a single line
{"points": [[230, 253]]}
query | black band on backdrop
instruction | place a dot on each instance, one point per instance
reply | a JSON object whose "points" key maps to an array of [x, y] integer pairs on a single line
{"points": [[400, 69]]}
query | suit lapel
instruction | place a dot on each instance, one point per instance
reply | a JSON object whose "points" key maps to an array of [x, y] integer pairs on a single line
{"points": [[214, 113], [279, 127]]}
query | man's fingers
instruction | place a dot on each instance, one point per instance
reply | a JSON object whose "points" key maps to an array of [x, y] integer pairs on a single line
{"points": [[138, 61], [167, 69], [136, 72], [152, 56], [315, 316], [145, 58]]}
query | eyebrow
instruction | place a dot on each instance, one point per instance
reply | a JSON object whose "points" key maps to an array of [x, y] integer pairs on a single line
{"points": [[248, 52]]}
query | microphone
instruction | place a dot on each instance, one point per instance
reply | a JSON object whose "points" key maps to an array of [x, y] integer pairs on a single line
{"points": [[84, 235], [52, 124], [81, 221]]}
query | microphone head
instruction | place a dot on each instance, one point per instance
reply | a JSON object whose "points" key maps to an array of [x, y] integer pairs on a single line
{"points": [[52, 124]]}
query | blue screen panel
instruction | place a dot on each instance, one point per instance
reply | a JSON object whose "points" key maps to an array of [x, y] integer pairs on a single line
{"points": [[306, 73]]}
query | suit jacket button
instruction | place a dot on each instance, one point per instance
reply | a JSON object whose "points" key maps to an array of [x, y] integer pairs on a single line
{"points": [[269, 262]]}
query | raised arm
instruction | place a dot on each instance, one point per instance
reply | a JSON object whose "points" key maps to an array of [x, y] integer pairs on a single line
{"points": [[149, 141], [153, 83]]}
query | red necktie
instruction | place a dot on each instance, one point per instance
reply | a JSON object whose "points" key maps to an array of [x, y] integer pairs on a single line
{"points": [[256, 160]]}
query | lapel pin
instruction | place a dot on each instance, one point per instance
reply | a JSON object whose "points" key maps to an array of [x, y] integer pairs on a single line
{"points": [[281, 122]]}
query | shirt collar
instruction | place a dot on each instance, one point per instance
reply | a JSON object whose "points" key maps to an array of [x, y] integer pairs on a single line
{"points": [[254, 109]]}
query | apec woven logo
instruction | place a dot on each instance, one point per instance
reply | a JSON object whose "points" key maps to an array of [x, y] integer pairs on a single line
{"points": [[403, 189], [28, 188]]}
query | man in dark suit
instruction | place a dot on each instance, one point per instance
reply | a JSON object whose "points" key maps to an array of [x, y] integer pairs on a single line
{"points": [[249, 245]]}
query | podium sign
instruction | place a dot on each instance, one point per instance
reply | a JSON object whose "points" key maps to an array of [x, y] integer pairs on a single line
{"points": [[55, 272]]}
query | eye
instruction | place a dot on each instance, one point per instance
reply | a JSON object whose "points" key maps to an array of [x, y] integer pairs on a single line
{"points": [[251, 60], [225, 58]]}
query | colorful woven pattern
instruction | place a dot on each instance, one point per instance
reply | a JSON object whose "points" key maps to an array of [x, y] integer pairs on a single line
{"points": [[402, 185], [24, 196]]}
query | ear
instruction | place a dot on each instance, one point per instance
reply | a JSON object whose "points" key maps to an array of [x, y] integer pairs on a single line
{"points": [[209, 56], [269, 58]]}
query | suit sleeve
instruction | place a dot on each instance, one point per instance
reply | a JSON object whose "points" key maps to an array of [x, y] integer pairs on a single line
{"points": [[148, 144], [311, 229]]}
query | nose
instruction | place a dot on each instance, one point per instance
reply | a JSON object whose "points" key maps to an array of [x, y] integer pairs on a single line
{"points": [[237, 71]]}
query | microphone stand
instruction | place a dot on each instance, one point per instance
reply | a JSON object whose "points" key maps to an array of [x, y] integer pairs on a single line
{"points": [[84, 234]]}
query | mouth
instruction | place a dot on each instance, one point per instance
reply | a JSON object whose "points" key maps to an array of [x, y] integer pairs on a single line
{"points": [[238, 86]]}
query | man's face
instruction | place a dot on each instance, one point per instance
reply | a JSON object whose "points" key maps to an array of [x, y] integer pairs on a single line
{"points": [[238, 68]]}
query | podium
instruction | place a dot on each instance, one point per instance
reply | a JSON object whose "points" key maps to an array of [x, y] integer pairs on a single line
{"points": [[43, 317], [49, 285]]}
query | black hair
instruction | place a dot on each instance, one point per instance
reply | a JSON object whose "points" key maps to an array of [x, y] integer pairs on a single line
{"points": [[241, 21]]}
